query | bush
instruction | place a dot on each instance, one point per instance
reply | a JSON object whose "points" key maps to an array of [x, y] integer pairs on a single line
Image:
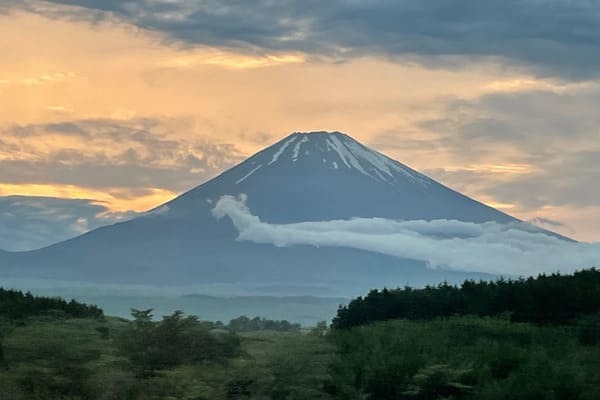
{"points": [[589, 330], [438, 382], [175, 340], [245, 324], [491, 359]]}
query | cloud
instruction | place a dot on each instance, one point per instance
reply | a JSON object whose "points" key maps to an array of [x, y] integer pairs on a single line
{"points": [[106, 153], [573, 185], [546, 222], [28, 222], [530, 152], [552, 137], [555, 37], [489, 247], [43, 79]]}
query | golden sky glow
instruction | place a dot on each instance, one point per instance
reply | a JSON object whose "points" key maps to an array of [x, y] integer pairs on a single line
{"points": [[116, 199], [58, 70]]}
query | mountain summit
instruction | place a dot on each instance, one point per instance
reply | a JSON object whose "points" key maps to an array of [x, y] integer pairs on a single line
{"points": [[328, 175], [316, 176]]}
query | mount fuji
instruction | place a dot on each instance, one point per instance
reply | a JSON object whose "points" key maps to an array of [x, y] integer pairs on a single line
{"points": [[317, 176]]}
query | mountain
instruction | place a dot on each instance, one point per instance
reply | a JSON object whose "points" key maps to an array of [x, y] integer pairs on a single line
{"points": [[304, 177], [323, 176]]}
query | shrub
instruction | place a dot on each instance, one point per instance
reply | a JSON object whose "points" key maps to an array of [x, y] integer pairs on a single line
{"points": [[589, 330], [175, 340]]}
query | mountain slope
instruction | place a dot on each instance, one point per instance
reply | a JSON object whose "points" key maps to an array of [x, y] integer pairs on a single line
{"points": [[304, 177]]}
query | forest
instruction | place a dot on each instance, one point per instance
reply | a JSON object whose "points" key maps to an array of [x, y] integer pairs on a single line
{"points": [[555, 298], [15, 305], [536, 338]]}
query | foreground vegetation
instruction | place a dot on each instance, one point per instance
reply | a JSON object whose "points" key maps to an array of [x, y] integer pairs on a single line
{"points": [[422, 355], [465, 357], [176, 358]]}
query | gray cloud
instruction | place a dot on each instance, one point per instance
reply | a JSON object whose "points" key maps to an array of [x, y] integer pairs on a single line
{"points": [[28, 222], [146, 156], [565, 183], [440, 243], [556, 132], [556, 37]]}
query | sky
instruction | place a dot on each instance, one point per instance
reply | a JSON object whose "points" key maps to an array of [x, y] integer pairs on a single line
{"points": [[110, 108]]}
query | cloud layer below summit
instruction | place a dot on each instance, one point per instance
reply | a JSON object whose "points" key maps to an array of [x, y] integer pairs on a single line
{"points": [[490, 247]]}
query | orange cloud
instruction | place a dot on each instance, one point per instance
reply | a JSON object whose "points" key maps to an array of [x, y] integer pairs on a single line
{"points": [[528, 83], [229, 60], [45, 78], [115, 199], [509, 169]]}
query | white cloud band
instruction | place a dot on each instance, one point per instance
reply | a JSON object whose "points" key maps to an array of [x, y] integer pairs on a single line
{"points": [[450, 244]]}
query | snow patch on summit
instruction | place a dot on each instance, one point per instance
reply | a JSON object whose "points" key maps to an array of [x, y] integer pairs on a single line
{"points": [[247, 175], [282, 149], [368, 162], [297, 148], [382, 163], [373, 158], [337, 150]]}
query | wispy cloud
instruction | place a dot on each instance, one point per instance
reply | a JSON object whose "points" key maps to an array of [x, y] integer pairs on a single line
{"points": [[42, 79], [117, 199], [136, 154], [230, 60], [545, 222], [549, 140], [489, 247], [28, 222]]}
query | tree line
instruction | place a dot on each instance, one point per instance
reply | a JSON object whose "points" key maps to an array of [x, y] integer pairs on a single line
{"points": [[245, 324], [15, 305], [555, 299]]}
